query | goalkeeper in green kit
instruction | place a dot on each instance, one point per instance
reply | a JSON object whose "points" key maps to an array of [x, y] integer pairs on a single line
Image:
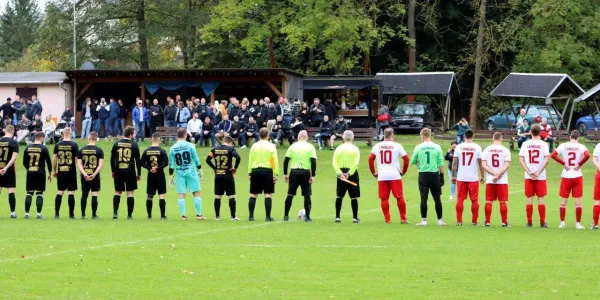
{"points": [[183, 159], [427, 156]]}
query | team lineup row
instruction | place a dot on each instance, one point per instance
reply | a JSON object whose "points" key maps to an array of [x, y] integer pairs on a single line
{"points": [[185, 172]]}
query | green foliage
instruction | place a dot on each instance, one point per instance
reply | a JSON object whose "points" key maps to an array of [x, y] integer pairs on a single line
{"points": [[19, 25]]}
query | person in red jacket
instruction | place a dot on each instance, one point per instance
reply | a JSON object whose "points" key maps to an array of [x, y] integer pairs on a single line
{"points": [[546, 133]]}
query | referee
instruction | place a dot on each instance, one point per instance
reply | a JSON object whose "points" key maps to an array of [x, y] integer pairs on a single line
{"points": [[345, 164], [301, 157], [427, 156], [263, 168]]}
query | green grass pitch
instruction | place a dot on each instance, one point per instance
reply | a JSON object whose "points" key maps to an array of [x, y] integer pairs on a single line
{"points": [[141, 259]]}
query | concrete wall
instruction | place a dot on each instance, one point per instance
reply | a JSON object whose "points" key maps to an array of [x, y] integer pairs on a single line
{"points": [[52, 97]]}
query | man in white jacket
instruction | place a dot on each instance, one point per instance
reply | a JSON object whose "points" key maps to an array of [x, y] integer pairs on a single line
{"points": [[194, 128]]}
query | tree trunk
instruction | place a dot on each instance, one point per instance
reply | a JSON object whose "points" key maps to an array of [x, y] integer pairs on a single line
{"points": [[142, 35], [478, 64], [184, 51], [271, 30], [311, 59], [412, 36], [367, 64]]}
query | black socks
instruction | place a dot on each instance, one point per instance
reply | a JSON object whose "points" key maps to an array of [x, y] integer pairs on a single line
{"points": [[217, 205], [288, 205], [232, 207], [307, 206], [354, 203], [12, 202], [71, 205], [116, 202], [149, 206], [28, 201], [163, 205], [338, 207], [268, 206], [84, 197], [57, 204], [94, 205], [251, 206], [130, 204], [39, 202]]}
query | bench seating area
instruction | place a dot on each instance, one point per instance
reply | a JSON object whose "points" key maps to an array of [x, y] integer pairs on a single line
{"points": [[167, 133], [509, 136]]}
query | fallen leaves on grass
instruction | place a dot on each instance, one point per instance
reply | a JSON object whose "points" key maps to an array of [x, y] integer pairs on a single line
{"points": [[188, 272]]}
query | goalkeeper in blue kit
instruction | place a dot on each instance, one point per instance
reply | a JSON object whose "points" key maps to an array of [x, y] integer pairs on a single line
{"points": [[183, 160]]}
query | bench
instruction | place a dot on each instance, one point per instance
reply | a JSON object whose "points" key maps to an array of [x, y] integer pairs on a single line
{"points": [[509, 136], [167, 133], [592, 136], [359, 133]]}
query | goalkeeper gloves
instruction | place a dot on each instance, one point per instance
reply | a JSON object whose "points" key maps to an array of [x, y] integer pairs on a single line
{"points": [[442, 179], [200, 174], [171, 181]]}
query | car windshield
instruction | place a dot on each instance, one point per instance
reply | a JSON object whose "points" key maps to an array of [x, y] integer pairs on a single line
{"points": [[410, 109]]}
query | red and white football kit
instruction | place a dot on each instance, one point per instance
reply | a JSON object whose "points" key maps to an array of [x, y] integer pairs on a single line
{"points": [[572, 155], [596, 212], [534, 153], [495, 157], [389, 176], [467, 181]]}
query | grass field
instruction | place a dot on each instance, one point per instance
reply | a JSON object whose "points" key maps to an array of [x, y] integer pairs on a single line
{"points": [[132, 259]]}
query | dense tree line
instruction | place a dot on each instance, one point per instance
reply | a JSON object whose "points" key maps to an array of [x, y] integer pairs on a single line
{"points": [[481, 40]]}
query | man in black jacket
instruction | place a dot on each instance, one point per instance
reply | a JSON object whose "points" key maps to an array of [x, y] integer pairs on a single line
{"points": [[237, 128], [338, 129], [316, 112], [330, 109], [123, 111], [201, 109], [244, 114], [156, 116], [325, 130], [251, 132], [207, 132], [7, 110], [169, 113], [35, 127]]}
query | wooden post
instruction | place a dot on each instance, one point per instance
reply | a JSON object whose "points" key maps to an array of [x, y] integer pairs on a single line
{"points": [[283, 89], [143, 92], [212, 97]]}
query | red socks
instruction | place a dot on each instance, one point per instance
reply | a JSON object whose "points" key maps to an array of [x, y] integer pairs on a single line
{"points": [[563, 212], [459, 210], [475, 210], [596, 214], [488, 212], [529, 211], [542, 211], [385, 207], [504, 212], [578, 212], [402, 208]]}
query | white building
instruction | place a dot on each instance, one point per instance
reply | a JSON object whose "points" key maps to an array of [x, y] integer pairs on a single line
{"points": [[49, 87]]}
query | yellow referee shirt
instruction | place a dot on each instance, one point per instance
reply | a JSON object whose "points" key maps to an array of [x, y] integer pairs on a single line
{"points": [[300, 154], [263, 155], [346, 156]]}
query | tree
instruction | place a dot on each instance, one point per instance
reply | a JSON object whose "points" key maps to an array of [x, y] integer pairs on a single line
{"points": [[478, 63], [18, 28]]}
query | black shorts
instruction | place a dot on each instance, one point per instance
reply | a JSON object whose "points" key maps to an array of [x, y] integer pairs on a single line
{"points": [[90, 186], [125, 182], [156, 183], [299, 178], [343, 187], [35, 182], [9, 179], [225, 185], [261, 181], [67, 181]]}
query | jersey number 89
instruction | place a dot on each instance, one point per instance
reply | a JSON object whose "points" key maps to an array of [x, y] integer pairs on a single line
{"points": [[184, 158]]}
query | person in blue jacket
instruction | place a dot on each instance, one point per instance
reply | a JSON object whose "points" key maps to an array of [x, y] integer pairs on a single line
{"points": [[460, 128], [113, 116], [139, 116]]}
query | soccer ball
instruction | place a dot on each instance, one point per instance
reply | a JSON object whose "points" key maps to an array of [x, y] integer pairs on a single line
{"points": [[301, 214]]}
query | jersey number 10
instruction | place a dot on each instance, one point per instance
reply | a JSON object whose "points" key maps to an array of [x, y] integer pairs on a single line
{"points": [[385, 157]]}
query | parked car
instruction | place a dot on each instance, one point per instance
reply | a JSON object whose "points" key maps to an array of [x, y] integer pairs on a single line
{"points": [[587, 122], [411, 116], [498, 121]]}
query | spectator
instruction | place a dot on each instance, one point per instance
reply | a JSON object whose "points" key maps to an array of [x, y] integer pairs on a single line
{"points": [[275, 133], [113, 116], [36, 106], [235, 110], [7, 109], [194, 128], [35, 127], [170, 112], [207, 132], [67, 114], [263, 113], [325, 130], [287, 112], [123, 112], [460, 128], [87, 113], [23, 128], [316, 112], [523, 132], [229, 106], [237, 129], [139, 116], [182, 116], [201, 109], [297, 126], [330, 110], [251, 132], [95, 102], [48, 129], [223, 109], [449, 157], [156, 115], [383, 121], [521, 116], [279, 107], [223, 129], [20, 108], [254, 109], [304, 117], [210, 113], [103, 112], [338, 129], [244, 114], [296, 107], [546, 133]]}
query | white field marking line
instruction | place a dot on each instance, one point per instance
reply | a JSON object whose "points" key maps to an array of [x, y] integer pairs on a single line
{"points": [[32, 257], [298, 246]]}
